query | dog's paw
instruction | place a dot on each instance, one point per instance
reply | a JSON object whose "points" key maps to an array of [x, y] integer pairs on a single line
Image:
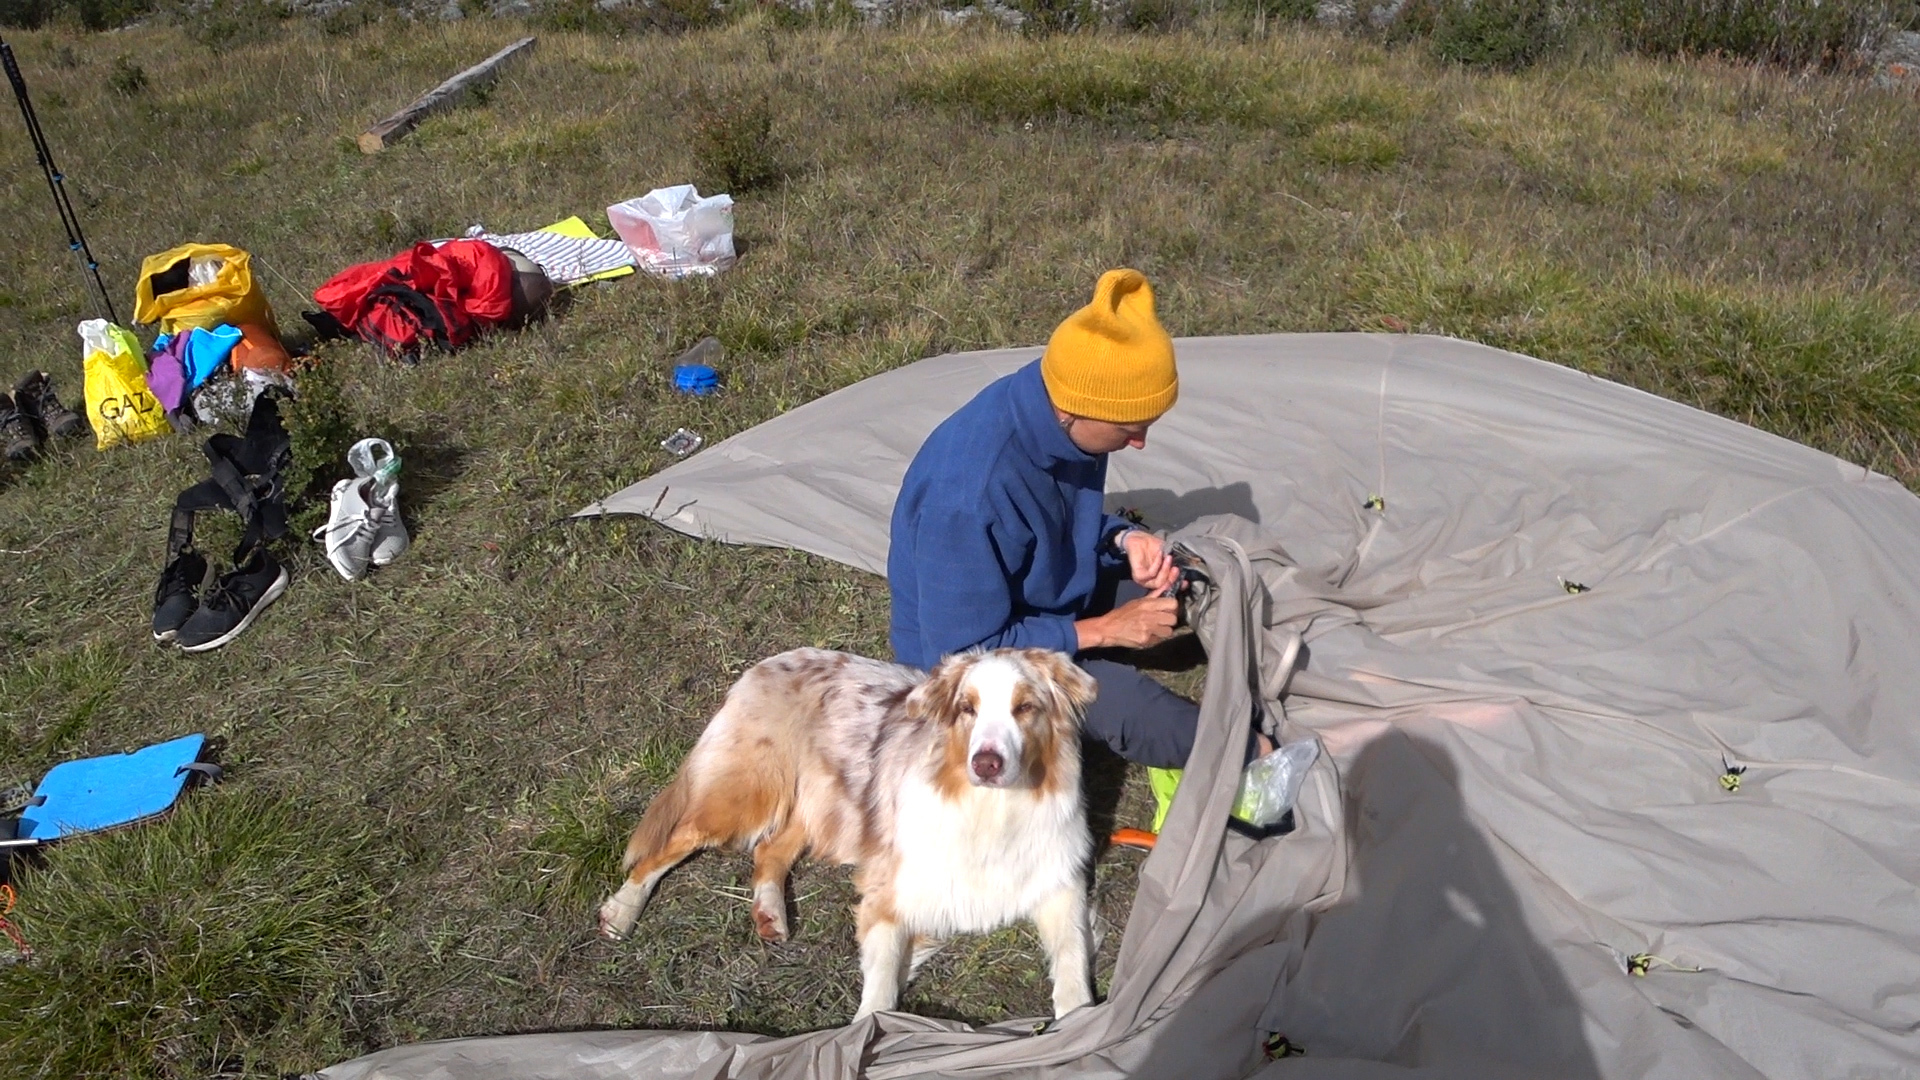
{"points": [[771, 925], [770, 914], [617, 918]]}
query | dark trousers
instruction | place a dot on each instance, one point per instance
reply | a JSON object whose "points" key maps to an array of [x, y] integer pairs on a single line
{"points": [[1140, 719]]}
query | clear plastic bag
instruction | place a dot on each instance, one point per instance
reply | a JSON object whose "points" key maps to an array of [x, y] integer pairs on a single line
{"points": [[375, 458], [1269, 785], [675, 232]]}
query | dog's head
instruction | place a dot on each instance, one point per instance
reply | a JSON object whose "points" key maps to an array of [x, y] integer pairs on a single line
{"points": [[1008, 714]]}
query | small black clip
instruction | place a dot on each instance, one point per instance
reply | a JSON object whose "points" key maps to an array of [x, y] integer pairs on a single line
{"points": [[1277, 1046]]}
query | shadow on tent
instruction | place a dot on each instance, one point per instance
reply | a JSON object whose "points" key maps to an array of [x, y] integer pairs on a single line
{"points": [[1425, 968], [1168, 511]]}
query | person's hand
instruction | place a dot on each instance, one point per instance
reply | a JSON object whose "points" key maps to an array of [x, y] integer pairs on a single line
{"points": [[1151, 564], [1137, 624]]}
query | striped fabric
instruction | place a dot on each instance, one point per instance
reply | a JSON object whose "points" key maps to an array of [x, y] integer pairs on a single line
{"points": [[567, 260]]}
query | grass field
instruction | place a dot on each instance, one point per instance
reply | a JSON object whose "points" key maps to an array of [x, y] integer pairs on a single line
{"points": [[430, 771]]}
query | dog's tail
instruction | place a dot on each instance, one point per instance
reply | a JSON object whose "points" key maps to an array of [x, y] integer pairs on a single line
{"points": [[657, 825]]}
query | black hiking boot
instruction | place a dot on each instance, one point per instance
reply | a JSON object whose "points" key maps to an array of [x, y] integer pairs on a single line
{"points": [[17, 431], [178, 595], [35, 399], [231, 605]]}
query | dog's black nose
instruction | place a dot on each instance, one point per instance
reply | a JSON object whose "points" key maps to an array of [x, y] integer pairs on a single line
{"points": [[987, 764]]}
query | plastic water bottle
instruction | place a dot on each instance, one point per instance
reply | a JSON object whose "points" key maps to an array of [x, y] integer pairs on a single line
{"points": [[375, 458], [696, 371]]}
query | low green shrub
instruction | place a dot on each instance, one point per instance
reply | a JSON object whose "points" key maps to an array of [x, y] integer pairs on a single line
{"points": [[1503, 34], [89, 14], [26, 14], [1054, 16], [127, 78], [732, 142], [1514, 34], [221, 25], [1827, 33], [321, 425], [636, 17]]}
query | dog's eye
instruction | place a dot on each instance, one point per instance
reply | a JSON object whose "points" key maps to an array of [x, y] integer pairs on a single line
{"points": [[1025, 708], [966, 708]]}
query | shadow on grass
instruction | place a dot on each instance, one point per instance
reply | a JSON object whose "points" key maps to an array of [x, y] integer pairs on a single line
{"points": [[430, 464], [1103, 779]]}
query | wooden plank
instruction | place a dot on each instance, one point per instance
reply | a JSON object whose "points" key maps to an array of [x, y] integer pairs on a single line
{"points": [[445, 96]]}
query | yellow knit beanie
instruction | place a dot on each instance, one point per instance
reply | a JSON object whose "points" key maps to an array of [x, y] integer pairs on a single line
{"points": [[1111, 360]]}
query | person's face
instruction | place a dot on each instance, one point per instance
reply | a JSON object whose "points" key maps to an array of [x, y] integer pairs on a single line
{"points": [[1104, 437]]}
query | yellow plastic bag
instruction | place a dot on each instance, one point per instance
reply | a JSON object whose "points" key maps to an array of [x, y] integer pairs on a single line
{"points": [[200, 285], [119, 405]]}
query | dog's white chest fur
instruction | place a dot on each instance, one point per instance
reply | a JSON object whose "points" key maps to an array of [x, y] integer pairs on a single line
{"points": [[986, 859]]}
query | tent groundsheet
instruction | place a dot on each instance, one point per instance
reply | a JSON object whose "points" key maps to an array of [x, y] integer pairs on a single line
{"points": [[1544, 614]]}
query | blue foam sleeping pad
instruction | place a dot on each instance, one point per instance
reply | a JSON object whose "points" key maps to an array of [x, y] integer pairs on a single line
{"points": [[99, 793]]}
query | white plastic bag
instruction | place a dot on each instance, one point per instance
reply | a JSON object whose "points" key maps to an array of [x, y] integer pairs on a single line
{"points": [[1270, 784], [675, 232]]}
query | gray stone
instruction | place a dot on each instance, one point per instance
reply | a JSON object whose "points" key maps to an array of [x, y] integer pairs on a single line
{"points": [[1336, 13], [989, 10], [1898, 61], [1382, 16]]}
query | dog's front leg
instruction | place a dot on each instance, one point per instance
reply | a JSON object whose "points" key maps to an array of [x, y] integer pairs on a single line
{"points": [[1061, 920], [883, 957]]}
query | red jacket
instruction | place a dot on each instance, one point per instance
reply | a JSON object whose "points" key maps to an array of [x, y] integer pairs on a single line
{"points": [[441, 296]]}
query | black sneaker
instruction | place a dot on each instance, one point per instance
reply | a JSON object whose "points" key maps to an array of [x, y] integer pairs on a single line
{"points": [[35, 399], [178, 595], [22, 439], [233, 602]]}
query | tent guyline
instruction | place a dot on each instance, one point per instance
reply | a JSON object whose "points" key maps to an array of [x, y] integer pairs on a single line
{"points": [[57, 184]]}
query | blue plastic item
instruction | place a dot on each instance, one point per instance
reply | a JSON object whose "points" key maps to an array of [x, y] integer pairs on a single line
{"points": [[695, 379], [205, 351], [100, 793]]}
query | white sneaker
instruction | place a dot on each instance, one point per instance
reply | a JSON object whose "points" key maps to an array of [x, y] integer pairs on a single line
{"points": [[374, 459], [352, 528], [391, 538]]}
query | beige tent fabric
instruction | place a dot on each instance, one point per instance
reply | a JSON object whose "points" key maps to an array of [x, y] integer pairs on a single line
{"points": [[1193, 963], [1542, 613]]}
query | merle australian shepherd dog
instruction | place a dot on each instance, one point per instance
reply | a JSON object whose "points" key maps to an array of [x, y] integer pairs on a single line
{"points": [[955, 796]]}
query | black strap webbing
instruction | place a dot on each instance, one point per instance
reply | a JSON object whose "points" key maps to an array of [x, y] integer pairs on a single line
{"points": [[246, 479]]}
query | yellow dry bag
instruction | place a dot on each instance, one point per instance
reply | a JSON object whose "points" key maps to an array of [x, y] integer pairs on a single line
{"points": [[203, 285]]}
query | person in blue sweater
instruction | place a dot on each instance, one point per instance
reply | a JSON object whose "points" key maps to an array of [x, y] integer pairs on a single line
{"points": [[999, 537]]}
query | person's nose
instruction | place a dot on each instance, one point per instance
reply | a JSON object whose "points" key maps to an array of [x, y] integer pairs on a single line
{"points": [[1138, 442]]}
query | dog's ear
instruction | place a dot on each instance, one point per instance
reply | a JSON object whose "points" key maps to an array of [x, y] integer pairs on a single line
{"points": [[1071, 685], [938, 698]]}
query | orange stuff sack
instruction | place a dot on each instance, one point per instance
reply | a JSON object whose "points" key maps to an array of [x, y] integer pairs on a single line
{"points": [[260, 350]]}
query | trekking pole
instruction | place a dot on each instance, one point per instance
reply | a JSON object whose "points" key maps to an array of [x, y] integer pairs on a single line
{"points": [[56, 182]]}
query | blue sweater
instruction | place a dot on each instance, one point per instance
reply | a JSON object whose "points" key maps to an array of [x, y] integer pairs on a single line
{"points": [[997, 534]]}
